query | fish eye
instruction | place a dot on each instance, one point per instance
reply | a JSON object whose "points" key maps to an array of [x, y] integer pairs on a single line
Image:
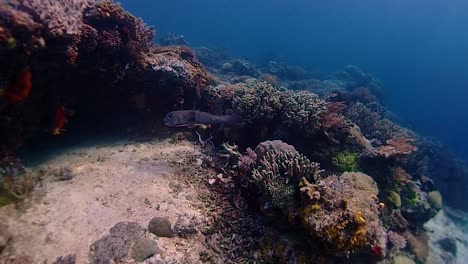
{"points": [[169, 115]]}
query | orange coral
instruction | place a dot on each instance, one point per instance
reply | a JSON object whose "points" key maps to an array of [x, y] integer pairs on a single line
{"points": [[20, 89]]}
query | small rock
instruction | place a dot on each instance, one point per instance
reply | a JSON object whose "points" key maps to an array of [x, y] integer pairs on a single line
{"points": [[144, 248], [116, 244], [160, 226]]}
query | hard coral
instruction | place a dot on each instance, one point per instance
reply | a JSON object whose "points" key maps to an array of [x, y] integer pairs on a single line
{"points": [[277, 177], [17, 28], [372, 124], [257, 102], [61, 18], [348, 219], [302, 111], [273, 145], [396, 147], [396, 239], [177, 69]]}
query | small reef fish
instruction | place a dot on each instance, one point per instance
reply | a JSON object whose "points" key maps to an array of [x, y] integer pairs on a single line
{"points": [[60, 120], [191, 118], [20, 89]]}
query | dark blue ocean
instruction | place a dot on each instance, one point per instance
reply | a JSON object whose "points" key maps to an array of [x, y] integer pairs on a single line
{"points": [[418, 49]]}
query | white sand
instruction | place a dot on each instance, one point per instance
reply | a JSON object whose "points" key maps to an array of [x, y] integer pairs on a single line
{"points": [[442, 227], [123, 182]]}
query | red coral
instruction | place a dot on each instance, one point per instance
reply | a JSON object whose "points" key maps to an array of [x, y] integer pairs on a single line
{"points": [[396, 147], [377, 250]]}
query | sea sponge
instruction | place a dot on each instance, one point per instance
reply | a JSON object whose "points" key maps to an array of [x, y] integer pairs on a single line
{"points": [[435, 199], [394, 199]]}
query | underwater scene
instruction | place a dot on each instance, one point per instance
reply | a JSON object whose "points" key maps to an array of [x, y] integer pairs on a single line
{"points": [[281, 131]]}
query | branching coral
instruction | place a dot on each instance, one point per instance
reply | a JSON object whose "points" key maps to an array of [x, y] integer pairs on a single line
{"points": [[373, 125], [247, 162], [302, 111], [277, 177], [257, 102], [396, 239]]}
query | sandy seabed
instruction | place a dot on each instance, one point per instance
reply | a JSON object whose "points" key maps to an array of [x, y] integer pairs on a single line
{"points": [[110, 184]]}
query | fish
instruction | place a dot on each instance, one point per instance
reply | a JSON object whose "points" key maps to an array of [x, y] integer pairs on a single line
{"points": [[191, 118]]}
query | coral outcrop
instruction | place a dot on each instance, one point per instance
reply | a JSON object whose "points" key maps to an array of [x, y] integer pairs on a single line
{"points": [[346, 216], [87, 57]]}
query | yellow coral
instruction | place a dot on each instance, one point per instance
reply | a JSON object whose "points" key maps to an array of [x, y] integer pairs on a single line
{"points": [[359, 218]]}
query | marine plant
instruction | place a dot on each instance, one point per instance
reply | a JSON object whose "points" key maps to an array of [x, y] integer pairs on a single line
{"points": [[346, 161]]}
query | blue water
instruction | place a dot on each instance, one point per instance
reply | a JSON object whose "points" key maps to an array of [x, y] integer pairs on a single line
{"points": [[418, 48]]}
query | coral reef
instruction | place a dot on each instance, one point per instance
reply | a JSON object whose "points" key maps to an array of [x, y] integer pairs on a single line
{"points": [[277, 177], [259, 102], [61, 17], [346, 161], [346, 217], [173, 39], [95, 58], [98, 60], [302, 111], [394, 147]]}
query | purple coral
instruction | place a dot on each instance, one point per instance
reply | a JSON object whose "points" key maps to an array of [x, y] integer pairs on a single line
{"points": [[247, 162], [396, 239]]}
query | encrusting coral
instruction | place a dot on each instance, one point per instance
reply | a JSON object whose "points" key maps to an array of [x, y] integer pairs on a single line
{"points": [[346, 216]]}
